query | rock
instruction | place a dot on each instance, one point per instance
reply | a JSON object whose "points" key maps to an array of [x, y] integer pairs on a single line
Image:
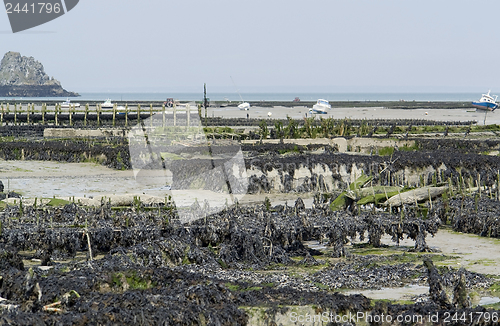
{"points": [[26, 77]]}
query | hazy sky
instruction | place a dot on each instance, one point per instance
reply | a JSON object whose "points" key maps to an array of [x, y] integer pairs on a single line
{"points": [[289, 45]]}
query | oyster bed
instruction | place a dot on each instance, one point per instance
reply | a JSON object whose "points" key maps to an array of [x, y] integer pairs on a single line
{"points": [[140, 265], [250, 264]]}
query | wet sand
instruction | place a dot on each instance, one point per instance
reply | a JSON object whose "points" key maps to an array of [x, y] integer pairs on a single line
{"points": [[64, 180], [299, 112], [474, 253]]}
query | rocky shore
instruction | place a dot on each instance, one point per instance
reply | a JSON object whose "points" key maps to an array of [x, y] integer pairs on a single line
{"points": [[25, 77]]}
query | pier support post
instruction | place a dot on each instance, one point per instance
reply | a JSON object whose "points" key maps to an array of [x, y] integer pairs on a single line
{"points": [[98, 111], [86, 114], [44, 108], [138, 113], [71, 107], [175, 114], [163, 115], [151, 115]]}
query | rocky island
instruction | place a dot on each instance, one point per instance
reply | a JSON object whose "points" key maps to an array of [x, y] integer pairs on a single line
{"points": [[25, 77]]}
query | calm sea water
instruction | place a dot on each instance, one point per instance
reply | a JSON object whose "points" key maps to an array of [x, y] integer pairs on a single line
{"points": [[266, 97]]}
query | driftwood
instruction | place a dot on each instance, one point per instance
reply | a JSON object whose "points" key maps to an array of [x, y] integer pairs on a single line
{"points": [[50, 307], [369, 191], [415, 195]]}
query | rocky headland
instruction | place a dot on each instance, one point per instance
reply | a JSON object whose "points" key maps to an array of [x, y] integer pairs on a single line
{"points": [[25, 77]]}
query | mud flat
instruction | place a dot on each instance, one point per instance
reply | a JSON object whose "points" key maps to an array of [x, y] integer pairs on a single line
{"points": [[298, 112]]}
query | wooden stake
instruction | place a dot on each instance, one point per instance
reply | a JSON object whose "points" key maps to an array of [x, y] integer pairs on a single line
{"points": [[151, 115], [98, 111], [175, 114], [70, 114], [163, 115], [430, 198]]}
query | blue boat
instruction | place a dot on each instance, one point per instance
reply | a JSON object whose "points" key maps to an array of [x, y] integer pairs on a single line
{"points": [[487, 102]]}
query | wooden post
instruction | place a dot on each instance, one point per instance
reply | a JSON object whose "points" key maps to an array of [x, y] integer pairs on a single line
{"points": [[188, 114], [114, 114], [1, 117], [498, 184], [126, 115], [86, 113], [138, 113], [98, 111], [175, 114], [479, 184], [44, 108], [70, 117], [151, 115], [163, 115], [430, 198], [15, 114], [55, 114], [28, 115]]}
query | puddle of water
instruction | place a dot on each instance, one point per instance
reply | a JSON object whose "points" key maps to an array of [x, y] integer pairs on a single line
{"points": [[488, 300], [475, 253], [403, 293], [314, 245]]}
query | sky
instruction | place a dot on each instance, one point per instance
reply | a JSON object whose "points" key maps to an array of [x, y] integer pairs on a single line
{"points": [[268, 46]]}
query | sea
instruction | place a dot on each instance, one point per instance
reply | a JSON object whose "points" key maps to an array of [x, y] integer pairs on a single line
{"points": [[282, 97]]}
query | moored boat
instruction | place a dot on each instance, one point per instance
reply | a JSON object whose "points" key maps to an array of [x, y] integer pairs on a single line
{"points": [[107, 104], [68, 104], [244, 106], [321, 107], [487, 102]]}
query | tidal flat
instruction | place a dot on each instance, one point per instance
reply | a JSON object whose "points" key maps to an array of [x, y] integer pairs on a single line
{"points": [[314, 232]]}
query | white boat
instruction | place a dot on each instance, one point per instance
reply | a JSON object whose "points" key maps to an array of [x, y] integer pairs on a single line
{"points": [[107, 104], [244, 106], [68, 104], [321, 107]]}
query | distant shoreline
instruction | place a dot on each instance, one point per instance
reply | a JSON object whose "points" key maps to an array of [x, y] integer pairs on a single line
{"points": [[258, 97]]}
